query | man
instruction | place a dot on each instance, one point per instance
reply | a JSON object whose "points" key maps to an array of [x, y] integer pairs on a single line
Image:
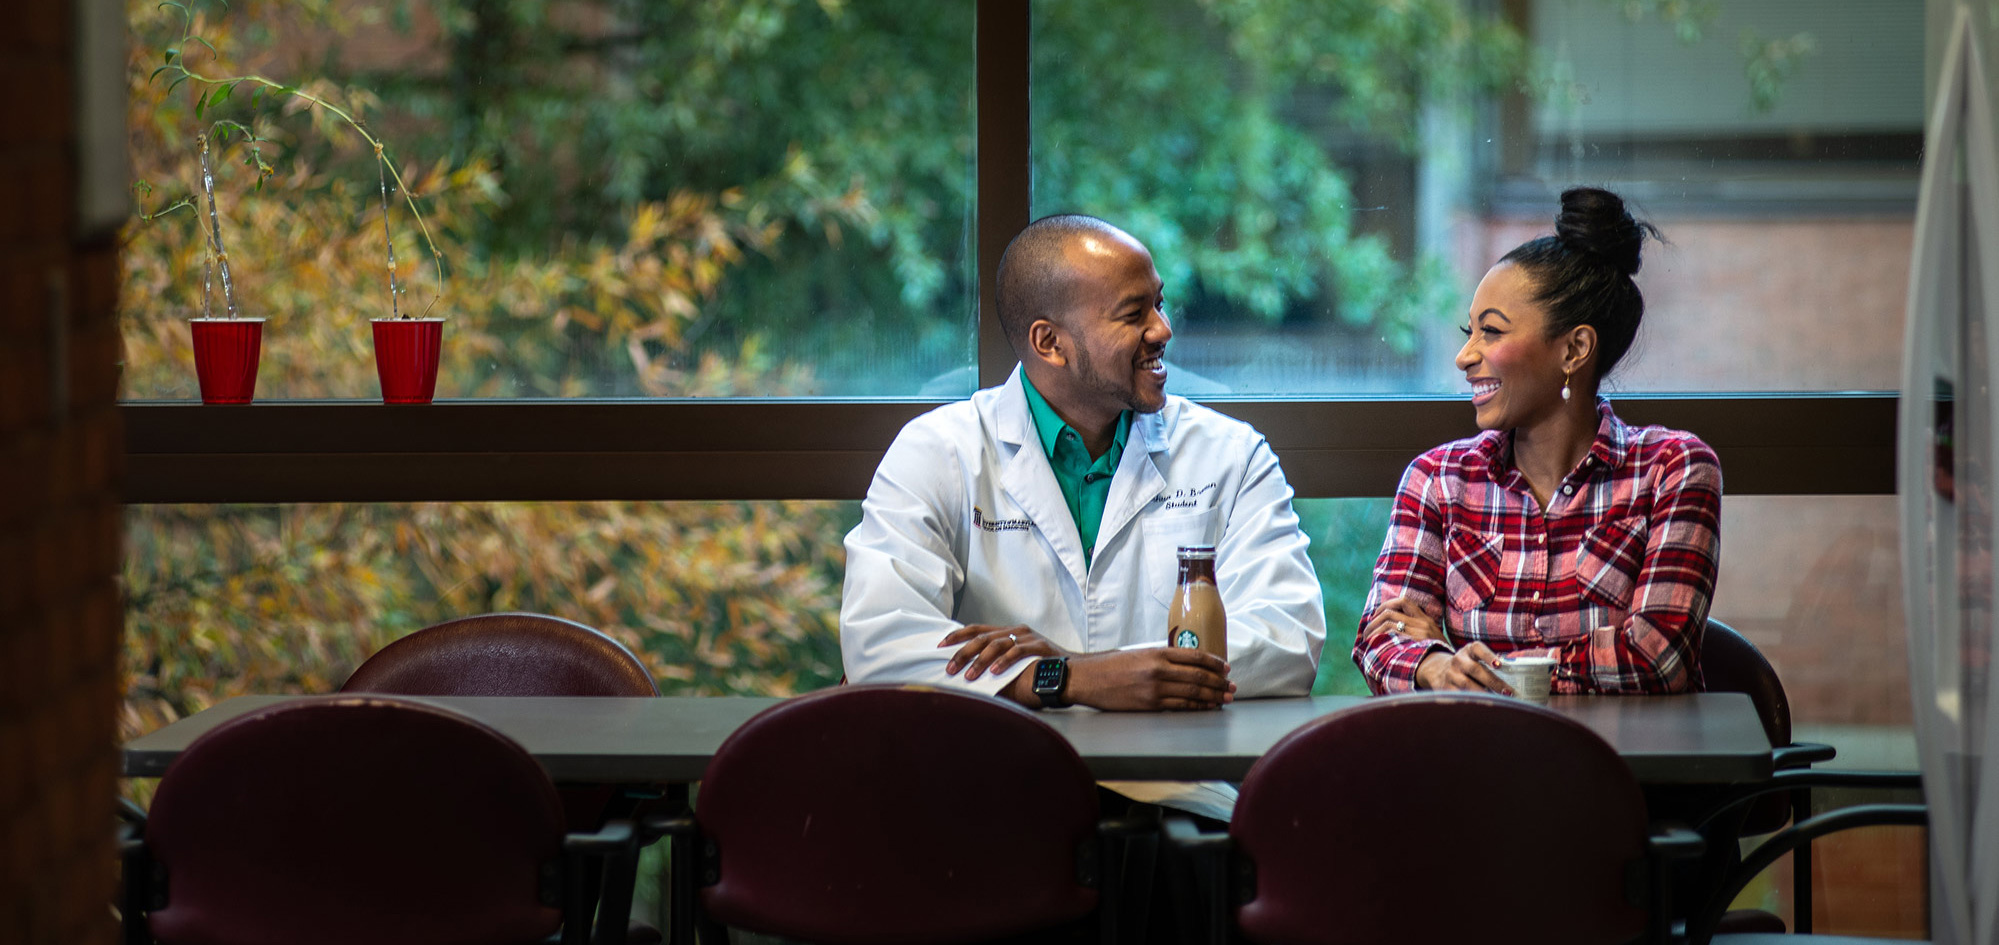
{"points": [[1024, 543]]}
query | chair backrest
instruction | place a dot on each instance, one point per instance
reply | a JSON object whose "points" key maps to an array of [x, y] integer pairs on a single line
{"points": [[504, 655], [354, 819], [881, 814], [1441, 818], [1733, 664]]}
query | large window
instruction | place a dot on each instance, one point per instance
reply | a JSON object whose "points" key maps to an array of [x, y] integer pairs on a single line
{"points": [[706, 258], [748, 202], [770, 209]]}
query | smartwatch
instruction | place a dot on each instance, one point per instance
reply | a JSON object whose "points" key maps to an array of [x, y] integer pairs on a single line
{"points": [[1051, 677]]}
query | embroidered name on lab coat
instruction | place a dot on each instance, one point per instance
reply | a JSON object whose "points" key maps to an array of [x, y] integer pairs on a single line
{"points": [[980, 520], [1187, 498]]}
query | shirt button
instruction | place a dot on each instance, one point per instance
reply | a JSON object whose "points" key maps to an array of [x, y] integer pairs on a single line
{"points": [[1540, 538], [1569, 490], [1536, 598]]}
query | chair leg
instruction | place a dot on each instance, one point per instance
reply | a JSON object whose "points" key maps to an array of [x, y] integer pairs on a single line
{"points": [[1214, 881], [614, 907], [1110, 889], [136, 892], [683, 876], [1801, 867]]}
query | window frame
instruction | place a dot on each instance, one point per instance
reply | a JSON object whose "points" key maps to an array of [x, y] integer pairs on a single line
{"points": [[1839, 443]]}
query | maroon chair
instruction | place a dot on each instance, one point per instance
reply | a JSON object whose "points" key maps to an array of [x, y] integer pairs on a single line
{"points": [[1440, 818], [513, 655], [1731, 663], [518, 654], [874, 815], [504, 655], [350, 819]]}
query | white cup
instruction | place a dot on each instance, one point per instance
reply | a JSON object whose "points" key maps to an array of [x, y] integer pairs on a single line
{"points": [[1530, 677]]}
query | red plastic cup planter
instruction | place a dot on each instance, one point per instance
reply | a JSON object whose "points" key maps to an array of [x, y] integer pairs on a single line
{"points": [[226, 351], [406, 358]]}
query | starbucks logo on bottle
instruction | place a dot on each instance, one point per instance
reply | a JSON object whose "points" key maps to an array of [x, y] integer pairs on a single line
{"points": [[1187, 639]]}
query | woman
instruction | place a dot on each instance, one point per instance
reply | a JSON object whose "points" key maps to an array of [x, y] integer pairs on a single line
{"points": [[1558, 531]]}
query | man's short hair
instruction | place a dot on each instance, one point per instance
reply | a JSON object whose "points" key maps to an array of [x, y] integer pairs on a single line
{"points": [[1035, 280]]}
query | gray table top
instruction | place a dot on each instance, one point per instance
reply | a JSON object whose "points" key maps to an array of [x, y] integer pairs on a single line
{"points": [[1705, 738]]}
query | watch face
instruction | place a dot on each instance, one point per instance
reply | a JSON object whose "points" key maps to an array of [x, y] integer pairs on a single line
{"points": [[1048, 674]]}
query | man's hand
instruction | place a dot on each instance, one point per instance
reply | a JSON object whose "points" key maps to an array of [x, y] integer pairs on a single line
{"points": [[1401, 615], [987, 649], [1468, 669], [1161, 677]]}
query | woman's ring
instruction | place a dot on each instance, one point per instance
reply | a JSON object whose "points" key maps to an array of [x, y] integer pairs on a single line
{"points": [[1400, 626], [1010, 638]]}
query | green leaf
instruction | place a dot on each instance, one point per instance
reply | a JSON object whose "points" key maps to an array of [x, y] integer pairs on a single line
{"points": [[171, 52], [211, 47]]}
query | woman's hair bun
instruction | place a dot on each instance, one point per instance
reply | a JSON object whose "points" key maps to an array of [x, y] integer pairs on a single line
{"points": [[1594, 221]]}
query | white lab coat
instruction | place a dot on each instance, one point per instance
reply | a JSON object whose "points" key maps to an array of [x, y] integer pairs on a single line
{"points": [[964, 523]]}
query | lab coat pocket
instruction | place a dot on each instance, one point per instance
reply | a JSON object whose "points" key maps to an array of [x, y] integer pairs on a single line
{"points": [[1164, 534], [1609, 560], [1471, 569]]}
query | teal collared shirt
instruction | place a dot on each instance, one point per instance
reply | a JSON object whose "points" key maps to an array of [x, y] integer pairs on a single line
{"points": [[1086, 483]]}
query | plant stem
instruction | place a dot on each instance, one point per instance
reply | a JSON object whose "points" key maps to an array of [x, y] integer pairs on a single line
{"points": [[177, 61], [389, 239], [381, 157], [215, 235]]}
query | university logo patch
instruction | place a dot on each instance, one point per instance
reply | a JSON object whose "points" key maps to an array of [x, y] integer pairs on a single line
{"points": [[999, 525]]}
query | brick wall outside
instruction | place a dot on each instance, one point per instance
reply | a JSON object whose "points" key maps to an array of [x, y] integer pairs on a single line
{"points": [[60, 459]]}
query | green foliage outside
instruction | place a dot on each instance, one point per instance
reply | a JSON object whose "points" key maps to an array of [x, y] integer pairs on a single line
{"points": [[1217, 139], [1346, 537], [705, 198]]}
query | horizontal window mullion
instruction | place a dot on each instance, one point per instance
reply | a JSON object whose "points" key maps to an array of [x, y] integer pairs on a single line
{"points": [[1802, 444]]}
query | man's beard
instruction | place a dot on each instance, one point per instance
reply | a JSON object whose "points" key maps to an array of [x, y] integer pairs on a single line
{"points": [[1124, 392]]}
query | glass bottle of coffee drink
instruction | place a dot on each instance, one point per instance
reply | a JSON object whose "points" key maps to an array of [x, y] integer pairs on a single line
{"points": [[1196, 618]]}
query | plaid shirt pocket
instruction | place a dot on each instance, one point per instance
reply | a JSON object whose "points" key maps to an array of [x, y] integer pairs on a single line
{"points": [[1471, 573], [1608, 561]]}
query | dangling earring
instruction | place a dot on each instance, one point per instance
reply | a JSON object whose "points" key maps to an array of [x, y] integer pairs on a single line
{"points": [[1565, 386]]}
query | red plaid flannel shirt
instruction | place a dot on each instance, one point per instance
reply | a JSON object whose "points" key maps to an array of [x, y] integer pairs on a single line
{"points": [[1613, 579]]}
